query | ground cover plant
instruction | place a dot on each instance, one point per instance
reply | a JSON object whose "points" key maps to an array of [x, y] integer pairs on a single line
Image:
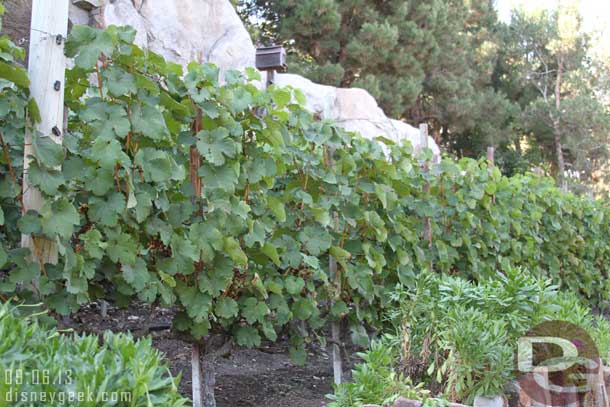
{"points": [[41, 366]]}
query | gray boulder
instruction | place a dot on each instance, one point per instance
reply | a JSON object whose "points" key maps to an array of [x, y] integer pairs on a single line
{"points": [[186, 30], [354, 109]]}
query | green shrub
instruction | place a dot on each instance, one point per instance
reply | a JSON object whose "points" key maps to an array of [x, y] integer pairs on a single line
{"points": [[459, 337], [41, 366], [376, 379], [571, 309]]}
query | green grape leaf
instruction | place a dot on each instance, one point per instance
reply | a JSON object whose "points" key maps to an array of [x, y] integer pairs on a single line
{"points": [[30, 223], [294, 285], [119, 82], [226, 308], [122, 248], [156, 165], [270, 251], [94, 246], [108, 153], [149, 122], [215, 145], [48, 152], [47, 180], [196, 303], [277, 208], [18, 76], [254, 310], [298, 355], [136, 275], [59, 218], [315, 239], [234, 251], [107, 211], [247, 336], [87, 44], [281, 97]]}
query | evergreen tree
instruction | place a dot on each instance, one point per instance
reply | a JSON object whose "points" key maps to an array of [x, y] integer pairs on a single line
{"points": [[423, 60], [546, 67]]}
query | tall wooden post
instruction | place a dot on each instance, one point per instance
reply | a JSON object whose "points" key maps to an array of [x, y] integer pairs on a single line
{"points": [[491, 159], [196, 374], [194, 164], [270, 78], [491, 155], [46, 68], [423, 141], [335, 326]]}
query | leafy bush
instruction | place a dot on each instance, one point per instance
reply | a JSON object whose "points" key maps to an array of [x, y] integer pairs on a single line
{"points": [[41, 366], [376, 380], [440, 316], [459, 337], [226, 202], [571, 309]]}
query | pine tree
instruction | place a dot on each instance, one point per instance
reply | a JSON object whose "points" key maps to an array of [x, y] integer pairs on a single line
{"points": [[545, 65], [423, 60]]}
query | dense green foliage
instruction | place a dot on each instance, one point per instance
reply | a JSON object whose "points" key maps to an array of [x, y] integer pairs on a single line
{"points": [[41, 366], [545, 65], [376, 380], [532, 88], [460, 337], [248, 253]]}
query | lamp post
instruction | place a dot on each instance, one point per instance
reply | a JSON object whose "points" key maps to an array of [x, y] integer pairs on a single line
{"points": [[271, 59]]}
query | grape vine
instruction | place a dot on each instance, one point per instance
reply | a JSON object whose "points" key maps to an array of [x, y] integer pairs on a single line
{"points": [[219, 199]]}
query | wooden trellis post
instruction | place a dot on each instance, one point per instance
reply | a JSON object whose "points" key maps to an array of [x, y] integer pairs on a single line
{"points": [[490, 164], [423, 140], [491, 155], [46, 68], [196, 375], [335, 277]]}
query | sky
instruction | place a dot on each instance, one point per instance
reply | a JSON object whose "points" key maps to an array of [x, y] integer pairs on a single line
{"points": [[596, 14]]}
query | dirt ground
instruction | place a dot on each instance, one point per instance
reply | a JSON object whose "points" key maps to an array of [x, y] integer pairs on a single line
{"points": [[263, 377]]}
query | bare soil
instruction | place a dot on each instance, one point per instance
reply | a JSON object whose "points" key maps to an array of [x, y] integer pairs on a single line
{"points": [[263, 377]]}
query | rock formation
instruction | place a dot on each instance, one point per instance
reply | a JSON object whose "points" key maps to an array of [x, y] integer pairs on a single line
{"points": [[186, 30], [353, 109]]}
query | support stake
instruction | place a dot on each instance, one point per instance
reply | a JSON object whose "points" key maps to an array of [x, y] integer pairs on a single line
{"points": [[423, 137], [46, 64], [491, 155], [196, 374], [335, 326]]}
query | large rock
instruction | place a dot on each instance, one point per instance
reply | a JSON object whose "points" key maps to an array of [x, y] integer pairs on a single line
{"points": [[353, 109], [186, 30]]}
